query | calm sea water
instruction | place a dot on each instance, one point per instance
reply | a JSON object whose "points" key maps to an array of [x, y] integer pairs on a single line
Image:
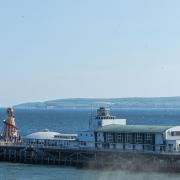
{"points": [[72, 120]]}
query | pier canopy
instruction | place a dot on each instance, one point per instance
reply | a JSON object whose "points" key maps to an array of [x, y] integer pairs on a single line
{"points": [[50, 138], [133, 128], [45, 134]]}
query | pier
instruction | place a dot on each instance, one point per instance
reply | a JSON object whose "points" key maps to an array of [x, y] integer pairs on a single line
{"points": [[109, 143], [83, 158]]}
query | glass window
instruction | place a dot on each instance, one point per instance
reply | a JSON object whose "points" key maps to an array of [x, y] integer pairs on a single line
{"points": [[128, 138], [109, 137], [138, 138], [119, 138], [148, 139], [175, 133]]}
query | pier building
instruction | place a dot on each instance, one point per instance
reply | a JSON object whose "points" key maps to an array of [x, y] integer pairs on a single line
{"points": [[49, 138], [108, 132], [109, 142], [135, 137]]}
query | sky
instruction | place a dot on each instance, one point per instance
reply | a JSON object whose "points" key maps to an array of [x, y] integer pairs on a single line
{"points": [[54, 49]]}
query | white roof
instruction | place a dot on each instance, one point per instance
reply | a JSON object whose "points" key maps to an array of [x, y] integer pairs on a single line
{"points": [[42, 135], [46, 134], [67, 134]]}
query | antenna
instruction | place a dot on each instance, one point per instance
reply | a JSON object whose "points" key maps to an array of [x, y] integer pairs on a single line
{"points": [[91, 118]]}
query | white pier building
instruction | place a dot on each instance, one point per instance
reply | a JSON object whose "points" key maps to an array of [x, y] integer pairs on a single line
{"points": [[108, 132]]}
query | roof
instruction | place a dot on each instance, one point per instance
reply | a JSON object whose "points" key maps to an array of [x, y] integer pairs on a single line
{"points": [[133, 128], [42, 135], [46, 134]]}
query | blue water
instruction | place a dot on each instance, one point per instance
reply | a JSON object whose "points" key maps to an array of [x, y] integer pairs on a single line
{"points": [[9, 171], [72, 120]]}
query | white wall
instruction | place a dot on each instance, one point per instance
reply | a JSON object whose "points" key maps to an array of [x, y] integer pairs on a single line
{"points": [[113, 121], [168, 135], [100, 137], [138, 147], [86, 139], [158, 138], [119, 146], [129, 146], [103, 122]]}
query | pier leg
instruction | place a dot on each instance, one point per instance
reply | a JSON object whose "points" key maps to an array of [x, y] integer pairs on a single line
{"points": [[59, 162], [9, 154], [4, 154]]}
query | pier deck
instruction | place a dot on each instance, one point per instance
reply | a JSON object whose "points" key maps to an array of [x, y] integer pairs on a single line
{"points": [[92, 158]]}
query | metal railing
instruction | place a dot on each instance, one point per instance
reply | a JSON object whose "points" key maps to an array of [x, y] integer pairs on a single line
{"points": [[100, 146]]}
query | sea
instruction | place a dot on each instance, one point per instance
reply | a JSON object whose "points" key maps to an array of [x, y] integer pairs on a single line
{"points": [[73, 120]]}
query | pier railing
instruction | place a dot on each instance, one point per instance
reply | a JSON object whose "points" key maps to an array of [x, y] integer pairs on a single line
{"points": [[106, 147]]}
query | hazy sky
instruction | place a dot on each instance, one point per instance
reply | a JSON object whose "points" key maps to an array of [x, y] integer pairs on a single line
{"points": [[51, 49]]}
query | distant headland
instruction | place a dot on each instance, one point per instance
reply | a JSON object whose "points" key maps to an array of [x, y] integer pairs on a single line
{"points": [[134, 102]]}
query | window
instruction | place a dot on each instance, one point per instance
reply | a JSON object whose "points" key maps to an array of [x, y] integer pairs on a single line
{"points": [[138, 138], [148, 139], [175, 133], [109, 137], [119, 138], [83, 143], [99, 123], [128, 138]]}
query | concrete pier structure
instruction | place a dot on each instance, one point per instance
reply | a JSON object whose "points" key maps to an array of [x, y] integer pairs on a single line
{"points": [[91, 158], [109, 143]]}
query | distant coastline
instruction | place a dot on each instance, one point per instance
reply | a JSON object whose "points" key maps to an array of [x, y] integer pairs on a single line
{"points": [[139, 102]]}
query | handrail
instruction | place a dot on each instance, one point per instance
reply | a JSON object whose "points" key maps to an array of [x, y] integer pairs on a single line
{"points": [[153, 149]]}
